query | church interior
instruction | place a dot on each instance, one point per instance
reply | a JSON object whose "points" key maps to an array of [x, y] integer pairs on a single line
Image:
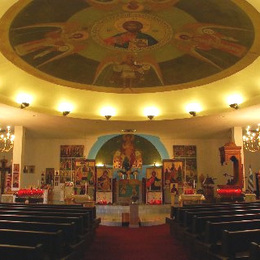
{"points": [[124, 115]]}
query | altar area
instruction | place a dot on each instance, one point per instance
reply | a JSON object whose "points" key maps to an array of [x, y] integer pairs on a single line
{"points": [[114, 215]]}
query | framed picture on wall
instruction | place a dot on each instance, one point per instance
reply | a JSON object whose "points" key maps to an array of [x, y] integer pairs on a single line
{"points": [[88, 172], [173, 171], [191, 174], [187, 153], [154, 179], [16, 176], [184, 151], [104, 179], [49, 175], [71, 150]]}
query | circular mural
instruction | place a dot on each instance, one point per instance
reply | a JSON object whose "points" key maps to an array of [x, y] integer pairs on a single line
{"points": [[129, 46]]}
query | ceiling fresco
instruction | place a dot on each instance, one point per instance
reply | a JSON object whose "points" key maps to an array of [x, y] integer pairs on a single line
{"points": [[129, 45]]}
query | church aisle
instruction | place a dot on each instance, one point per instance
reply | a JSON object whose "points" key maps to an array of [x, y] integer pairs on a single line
{"points": [[122, 243]]}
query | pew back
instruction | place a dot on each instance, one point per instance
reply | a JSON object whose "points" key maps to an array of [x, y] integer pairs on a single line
{"points": [[235, 243], [214, 230]]}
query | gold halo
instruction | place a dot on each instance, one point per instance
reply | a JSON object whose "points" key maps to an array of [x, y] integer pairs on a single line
{"points": [[119, 23]]}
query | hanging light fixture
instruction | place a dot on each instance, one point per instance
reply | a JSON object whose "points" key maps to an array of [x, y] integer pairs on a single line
{"points": [[251, 139], [6, 139]]}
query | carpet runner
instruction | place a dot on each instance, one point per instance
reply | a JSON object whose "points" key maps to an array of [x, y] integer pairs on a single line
{"points": [[144, 243]]}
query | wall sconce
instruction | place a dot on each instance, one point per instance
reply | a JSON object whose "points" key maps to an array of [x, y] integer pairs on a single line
{"points": [[234, 105], [234, 101], [151, 112], [65, 113], [24, 105], [107, 112], [24, 100], [193, 108], [108, 117], [192, 113], [150, 117], [65, 108]]}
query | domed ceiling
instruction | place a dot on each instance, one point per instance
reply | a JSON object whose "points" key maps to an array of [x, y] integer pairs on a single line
{"points": [[130, 46]]}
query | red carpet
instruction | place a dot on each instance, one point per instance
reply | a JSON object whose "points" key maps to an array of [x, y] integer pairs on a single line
{"points": [[144, 243]]}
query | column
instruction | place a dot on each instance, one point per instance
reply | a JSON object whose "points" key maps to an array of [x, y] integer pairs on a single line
{"points": [[237, 138], [18, 156]]}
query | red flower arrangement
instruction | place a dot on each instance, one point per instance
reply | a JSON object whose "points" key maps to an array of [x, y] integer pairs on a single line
{"points": [[155, 202], [29, 193], [189, 191], [229, 192], [103, 202]]}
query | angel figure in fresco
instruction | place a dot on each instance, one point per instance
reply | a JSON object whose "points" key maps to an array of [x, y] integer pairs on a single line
{"points": [[117, 160], [63, 40], [128, 72], [138, 159], [195, 38]]}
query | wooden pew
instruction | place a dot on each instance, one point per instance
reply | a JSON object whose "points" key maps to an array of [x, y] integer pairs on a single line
{"points": [[205, 207], [181, 226], [90, 225], [254, 251], [199, 223], [193, 240], [82, 218], [190, 214], [56, 207], [15, 252], [214, 230], [183, 221], [211, 243], [91, 221], [236, 244], [55, 219], [51, 241], [69, 229]]}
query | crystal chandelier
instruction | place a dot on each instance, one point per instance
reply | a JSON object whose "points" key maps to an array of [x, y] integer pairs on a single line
{"points": [[251, 139], [6, 140]]}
